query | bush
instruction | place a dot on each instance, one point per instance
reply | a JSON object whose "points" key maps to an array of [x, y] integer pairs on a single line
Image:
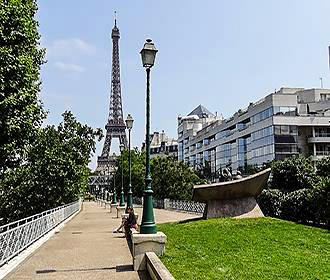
{"points": [[296, 206], [323, 167], [270, 202], [321, 201], [293, 174], [307, 206]]}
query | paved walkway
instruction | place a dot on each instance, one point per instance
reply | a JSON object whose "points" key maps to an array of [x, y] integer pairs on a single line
{"points": [[86, 248]]}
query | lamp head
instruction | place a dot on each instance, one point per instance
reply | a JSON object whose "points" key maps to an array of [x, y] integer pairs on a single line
{"points": [[129, 121], [148, 54]]}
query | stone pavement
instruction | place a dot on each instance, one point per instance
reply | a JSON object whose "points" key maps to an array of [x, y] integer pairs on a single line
{"points": [[86, 248]]}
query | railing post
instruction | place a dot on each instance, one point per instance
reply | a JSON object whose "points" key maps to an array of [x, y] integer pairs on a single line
{"points": [[166, 203]]}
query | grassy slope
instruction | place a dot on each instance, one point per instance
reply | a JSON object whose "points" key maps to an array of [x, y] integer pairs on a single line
{"points": [[246, 249]]}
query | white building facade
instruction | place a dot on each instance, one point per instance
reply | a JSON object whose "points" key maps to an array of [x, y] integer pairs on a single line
{"points": [[162, 145], [289, 122]]}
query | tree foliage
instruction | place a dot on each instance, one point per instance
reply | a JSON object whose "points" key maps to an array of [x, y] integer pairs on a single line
{"points": [[40, 168], [170, 178], [300, 192], [54, 173], [293, 173], [323, 167], [21, 112], [137, 170]]}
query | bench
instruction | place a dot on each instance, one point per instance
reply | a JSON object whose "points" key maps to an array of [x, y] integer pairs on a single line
{"points": [[132, 231]]}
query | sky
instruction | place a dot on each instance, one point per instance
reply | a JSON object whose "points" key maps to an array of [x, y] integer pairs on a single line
{"points": [[221, 54]]}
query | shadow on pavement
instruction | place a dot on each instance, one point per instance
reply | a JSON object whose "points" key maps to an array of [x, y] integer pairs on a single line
{"points": [[118, 268]]}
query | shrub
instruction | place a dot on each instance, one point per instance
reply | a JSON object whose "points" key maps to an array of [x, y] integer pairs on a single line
{"points": [[293, 174], [270, 202], [297, 206], [307, 206], [323, 167], [321, 201]]}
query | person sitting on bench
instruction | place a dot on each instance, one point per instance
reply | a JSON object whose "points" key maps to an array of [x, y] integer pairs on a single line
{"points": [[128, 223]]}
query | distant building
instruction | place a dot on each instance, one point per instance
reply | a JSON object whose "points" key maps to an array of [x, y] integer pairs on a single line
{"points": [[288, 122], [193, 139], [162, 145]]}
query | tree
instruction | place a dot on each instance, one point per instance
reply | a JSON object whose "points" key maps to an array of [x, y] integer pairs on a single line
{"points": [[172, 179], [204, 171], [21, 112], [55, 171], [40, 168], [137, 169]]}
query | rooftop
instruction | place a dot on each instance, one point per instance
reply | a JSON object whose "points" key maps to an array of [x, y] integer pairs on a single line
{"points": [[201, 112]]}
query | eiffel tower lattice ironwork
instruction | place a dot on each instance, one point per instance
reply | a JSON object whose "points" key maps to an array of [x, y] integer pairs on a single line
{"points": [[115, 127]]}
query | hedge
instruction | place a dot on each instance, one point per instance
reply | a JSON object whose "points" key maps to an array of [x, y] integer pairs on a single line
{"points": [[307, 206]]}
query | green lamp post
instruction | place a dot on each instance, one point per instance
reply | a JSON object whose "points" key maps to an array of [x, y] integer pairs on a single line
{"points": [[129, 124], [148, 55], [114, 197], [122, 200]]}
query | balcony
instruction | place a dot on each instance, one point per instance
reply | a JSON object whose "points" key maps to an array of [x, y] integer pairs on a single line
{"points": [[319, 139]]}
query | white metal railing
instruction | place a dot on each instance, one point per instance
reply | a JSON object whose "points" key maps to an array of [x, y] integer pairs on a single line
{"points": [[183, 205], [178, 205], [18, 235], [322, 153], [322, 134]]}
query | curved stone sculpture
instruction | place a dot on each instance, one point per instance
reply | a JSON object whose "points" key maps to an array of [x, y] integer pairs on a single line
{"points": [[233, 198]]}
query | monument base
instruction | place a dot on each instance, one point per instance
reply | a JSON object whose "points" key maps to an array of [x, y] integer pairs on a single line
{"points": [[143, 243], [246, 207]]}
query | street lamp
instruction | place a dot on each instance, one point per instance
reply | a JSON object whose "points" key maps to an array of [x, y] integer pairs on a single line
{"points": [[108, 177], [114, 197], [122, 201], [129, 124], [148, 54]]}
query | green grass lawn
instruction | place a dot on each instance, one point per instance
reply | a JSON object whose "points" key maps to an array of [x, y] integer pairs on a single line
{"points": [[246, 249]]}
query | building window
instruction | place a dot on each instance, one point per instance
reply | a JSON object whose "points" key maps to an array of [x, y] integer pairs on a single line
{"points": [[324, 96], [262, 115], [322, 131], [206, 142], [322, 149], [285, 110], [285, 130], [286, 141], [240, 126]]}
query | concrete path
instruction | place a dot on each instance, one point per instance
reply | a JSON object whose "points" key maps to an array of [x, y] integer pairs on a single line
{"points": [[86, 248]]}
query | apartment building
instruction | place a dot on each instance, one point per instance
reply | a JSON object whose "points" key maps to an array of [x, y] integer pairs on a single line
{"points": [[288, 122], [162, 145]]}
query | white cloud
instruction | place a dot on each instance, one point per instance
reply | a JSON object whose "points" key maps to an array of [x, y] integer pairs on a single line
{"points": [[69, 67], [69, 47]]}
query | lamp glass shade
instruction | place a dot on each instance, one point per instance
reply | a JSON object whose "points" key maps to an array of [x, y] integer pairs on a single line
{"points": [[148, 54], [129, 121]]}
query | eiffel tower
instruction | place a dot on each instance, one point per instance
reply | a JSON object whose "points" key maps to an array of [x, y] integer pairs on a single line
{"points": [[115, 127]]}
